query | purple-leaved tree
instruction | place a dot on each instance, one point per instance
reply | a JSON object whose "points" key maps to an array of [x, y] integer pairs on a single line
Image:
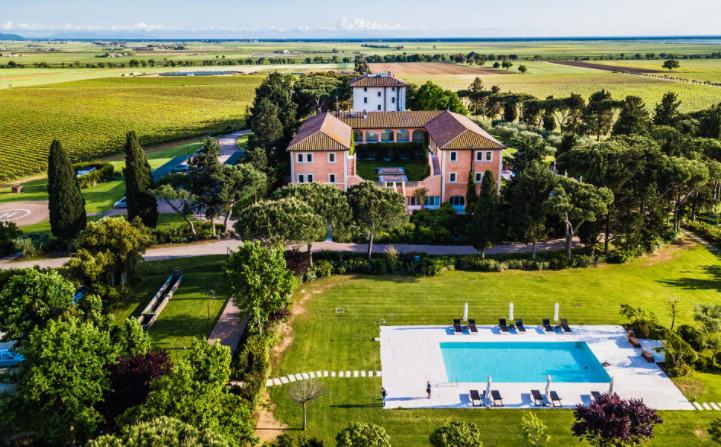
{"points": [[613, 422]]}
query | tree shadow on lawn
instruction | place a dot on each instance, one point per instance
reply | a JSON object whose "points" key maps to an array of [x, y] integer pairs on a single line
{"points": [[168, 329], [698, 283], [389, 277]]}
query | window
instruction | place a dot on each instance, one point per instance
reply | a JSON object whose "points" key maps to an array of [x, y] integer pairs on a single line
{"points": [[379, 94], [393, 100], [301, 178], [452, 177], [357, 136], [454, 156], [393, 89], [479, 156], [379, 106], [300, 158], [458, 201], [309, 178], [331, 157], [365, 89], [413, 201], [403, 136], [433, 201], [365, 100], [419, 136], [309, 158], [331, 178], [387, 136], [489, 156], [479, 177], [371, 136]]}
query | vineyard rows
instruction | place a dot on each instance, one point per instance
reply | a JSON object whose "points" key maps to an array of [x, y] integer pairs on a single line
{"points": [[91, 117]]}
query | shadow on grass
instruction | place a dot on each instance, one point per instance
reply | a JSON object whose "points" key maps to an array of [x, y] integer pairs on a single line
{"points": [[713, 283]]}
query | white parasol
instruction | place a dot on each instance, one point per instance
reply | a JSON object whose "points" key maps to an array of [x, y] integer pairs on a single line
{"points": [[548, 387], [510, 313], [488, 389], [465, 313], [555, 316], [610, 387]]}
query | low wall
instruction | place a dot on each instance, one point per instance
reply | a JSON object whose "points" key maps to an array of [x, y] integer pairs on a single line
{"points": [[160, 300]]}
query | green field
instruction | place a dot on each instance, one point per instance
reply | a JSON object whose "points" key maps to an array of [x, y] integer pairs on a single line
{"points": [[103, 196], [188, 315], [91, 117], [368, 169], [326, 340]]}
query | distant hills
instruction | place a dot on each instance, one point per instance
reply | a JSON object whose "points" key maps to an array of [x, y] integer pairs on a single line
{"points": [[10, 37]]}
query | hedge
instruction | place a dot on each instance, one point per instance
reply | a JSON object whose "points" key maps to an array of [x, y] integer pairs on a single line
{"points": [[410, 150], [104, 172]]}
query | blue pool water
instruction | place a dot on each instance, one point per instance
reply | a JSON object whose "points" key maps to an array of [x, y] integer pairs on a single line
{"points": [[568, 362]]}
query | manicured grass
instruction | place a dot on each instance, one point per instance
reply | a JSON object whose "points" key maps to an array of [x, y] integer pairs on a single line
{"points": [[368, 169], [189, 315], [163, 221], [326, 340], [102, 196]]}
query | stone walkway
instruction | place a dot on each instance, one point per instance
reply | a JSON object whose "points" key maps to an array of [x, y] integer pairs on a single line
{"points": [[318, 374], [230, 327]]}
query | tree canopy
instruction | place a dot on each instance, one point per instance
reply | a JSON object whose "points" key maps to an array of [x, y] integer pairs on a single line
{"points": [[65, 203]]}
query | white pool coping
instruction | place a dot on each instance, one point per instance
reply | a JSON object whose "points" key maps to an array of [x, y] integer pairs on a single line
{"points": [[411, 356]]}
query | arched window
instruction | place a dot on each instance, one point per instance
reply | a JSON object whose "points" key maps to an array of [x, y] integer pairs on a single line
{"points": [[357, 136], [403, 136], [387, 136], [458, 201], [419, 136], [371, 136]]}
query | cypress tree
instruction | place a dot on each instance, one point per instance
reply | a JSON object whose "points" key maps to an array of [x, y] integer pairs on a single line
{"points": [[65, 203], [484, 232], [138, 181], [471, 196]]}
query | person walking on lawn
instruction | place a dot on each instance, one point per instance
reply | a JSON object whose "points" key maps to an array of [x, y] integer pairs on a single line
{"points": [[384, 393]]}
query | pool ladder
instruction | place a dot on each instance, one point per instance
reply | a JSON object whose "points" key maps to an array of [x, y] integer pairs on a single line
{"points": [[579, 343]]}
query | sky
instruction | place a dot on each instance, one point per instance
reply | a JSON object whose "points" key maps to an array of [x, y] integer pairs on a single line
{"points": [[242, 19]]}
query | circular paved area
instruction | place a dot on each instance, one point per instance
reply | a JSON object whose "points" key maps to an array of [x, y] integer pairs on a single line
{"points": [[24, 213]]}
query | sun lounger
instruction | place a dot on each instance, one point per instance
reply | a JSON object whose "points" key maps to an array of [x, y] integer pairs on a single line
{"points": [[457, 328], [496, 397], [648, 356], [554, 398], [596, 395], [564, 325], [537, 397], [504, 327], [475, 396], [472, 326], [547, 325], [634, 342], [520, 327]]}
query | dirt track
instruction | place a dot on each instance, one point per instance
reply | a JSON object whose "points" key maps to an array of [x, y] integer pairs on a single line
{"points": [[605, 67], [434, 68]]}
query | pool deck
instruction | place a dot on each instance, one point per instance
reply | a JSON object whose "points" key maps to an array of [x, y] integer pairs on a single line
{"points": [[411, 356]]}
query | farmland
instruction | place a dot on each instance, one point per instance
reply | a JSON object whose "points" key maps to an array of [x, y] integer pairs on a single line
{"points": [[91, 117]]}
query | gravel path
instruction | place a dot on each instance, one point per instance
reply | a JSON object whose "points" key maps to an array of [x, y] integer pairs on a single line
{"points": [[221, 247]]}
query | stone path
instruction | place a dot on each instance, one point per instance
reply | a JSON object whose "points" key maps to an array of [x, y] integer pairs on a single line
{"points": [[701, 406], [290, 378], [230, 327]]}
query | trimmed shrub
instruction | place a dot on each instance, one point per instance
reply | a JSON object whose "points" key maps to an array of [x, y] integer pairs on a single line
{"points": [[32, 244], [691, 335]]}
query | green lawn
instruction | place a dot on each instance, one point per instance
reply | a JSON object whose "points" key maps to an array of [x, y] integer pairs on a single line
{"points": [[368, 169], [102, 196], [325, 340], [163, 221], [188, 315]]}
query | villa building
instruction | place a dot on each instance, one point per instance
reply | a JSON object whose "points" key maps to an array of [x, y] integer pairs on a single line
{"points": [[382, 92], [332, 147]]}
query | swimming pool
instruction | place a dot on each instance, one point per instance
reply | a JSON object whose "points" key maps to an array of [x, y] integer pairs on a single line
{"points": [[566, 362]]}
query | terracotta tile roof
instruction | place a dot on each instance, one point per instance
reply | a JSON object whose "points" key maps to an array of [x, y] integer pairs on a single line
{"points": [[389, 120], [322, 132], [453, 131], [378, 81]]}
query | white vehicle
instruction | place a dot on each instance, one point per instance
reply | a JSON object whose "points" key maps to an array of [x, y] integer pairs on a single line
{"points": [[121, 203], [181, 168], [85, 171]]}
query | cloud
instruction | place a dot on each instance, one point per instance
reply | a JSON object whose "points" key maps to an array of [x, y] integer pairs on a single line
{"points": [[343, 26]]}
